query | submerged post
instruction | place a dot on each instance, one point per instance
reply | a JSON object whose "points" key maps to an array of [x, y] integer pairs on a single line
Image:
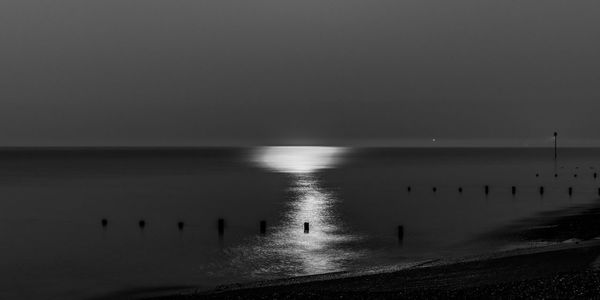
{"points": [[487, 189], [104, 223], [570, 191], [180, 225], [400, 233], [514, 189], [142, 224], [460, 190], [306, 228], [434, 189], [263, 227], [541, 190], [221, 226], [408, 188]]}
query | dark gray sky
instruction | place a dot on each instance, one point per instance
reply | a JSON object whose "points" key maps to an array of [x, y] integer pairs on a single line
{"points": [[148, 72]]}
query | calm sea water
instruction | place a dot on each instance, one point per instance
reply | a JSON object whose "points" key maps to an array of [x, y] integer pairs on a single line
{"points": [[52, 202]]}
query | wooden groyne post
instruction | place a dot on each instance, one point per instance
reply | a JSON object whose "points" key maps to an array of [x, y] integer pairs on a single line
{"points": [[400, 233], [263, 227], [221, 226]]}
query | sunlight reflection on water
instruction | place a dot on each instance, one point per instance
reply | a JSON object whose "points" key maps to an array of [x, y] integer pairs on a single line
{"points": [[322, 249]]}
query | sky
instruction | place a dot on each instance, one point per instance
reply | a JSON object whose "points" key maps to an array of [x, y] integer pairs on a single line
{"points": [[310, 72]]}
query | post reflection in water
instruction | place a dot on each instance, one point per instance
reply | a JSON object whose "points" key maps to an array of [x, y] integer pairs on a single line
{"points": [[324, 248]]}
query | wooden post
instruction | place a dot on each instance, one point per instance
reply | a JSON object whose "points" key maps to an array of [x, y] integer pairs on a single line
{"points": [[104, 223], [434, 189], [221, 226], [180, 225], [487, 189], [263, 227], [460, 190], [408, 188], [142, 224], [514, 189], [306, 227], [570, 191], [541, 190], [400, 233]]}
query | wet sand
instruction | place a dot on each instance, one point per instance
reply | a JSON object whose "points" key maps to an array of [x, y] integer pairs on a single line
{"points": [[568, 267]]}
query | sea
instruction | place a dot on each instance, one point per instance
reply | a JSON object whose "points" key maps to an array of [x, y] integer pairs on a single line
{"points": [[101, 223]]}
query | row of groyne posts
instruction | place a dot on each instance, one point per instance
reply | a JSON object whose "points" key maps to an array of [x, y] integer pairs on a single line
{"points": [[221, 227], [400, 228], [513, 189], [306, 226]]}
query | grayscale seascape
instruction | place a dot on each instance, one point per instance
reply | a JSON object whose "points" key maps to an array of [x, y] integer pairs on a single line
{"points": [[55, 245]]}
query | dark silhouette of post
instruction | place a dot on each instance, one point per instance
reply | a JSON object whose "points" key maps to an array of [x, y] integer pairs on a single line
{"points": [[263, 227], [142, 224], [221, 226], [487, 189], [555, 140], [514, 189], [541, 190], [408, 188], [434, 189], [570, 191], [595, 175], [400, 233], [180, 225], [104, 223], [306, 227], [460, 190]]}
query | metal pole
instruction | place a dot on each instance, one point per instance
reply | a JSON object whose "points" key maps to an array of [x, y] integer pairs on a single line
{"points": [[555, 138]]}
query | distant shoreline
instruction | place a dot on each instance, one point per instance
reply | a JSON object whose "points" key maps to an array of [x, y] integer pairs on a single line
{"points": [[188, 148]]}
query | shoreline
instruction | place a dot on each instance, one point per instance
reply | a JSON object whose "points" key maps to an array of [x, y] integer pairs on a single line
{"points": [[502, 274], [554, 255]]}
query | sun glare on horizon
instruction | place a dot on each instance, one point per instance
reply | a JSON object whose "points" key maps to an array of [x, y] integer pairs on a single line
{"points": [[298, 159]]}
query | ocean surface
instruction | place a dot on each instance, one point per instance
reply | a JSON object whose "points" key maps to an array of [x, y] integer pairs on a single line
{"points": [[53, 244]]}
